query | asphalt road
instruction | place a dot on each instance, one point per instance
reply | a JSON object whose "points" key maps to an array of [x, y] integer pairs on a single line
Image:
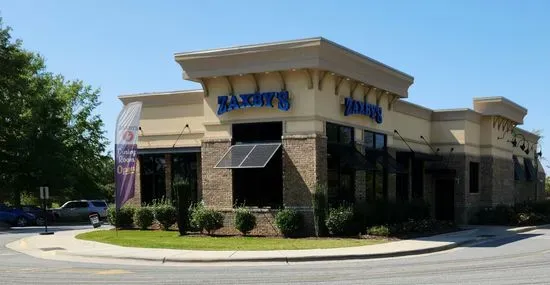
{"points": [[520, 259]]}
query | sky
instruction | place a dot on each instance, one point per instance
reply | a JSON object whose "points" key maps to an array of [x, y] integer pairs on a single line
{"points": [[455, 50]]}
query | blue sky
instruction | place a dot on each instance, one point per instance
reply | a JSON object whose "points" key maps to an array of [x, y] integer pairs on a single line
{"points": [[456, 50]]}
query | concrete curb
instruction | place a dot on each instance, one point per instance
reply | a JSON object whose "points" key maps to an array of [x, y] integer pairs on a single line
{"points": [[286, 259], [528, 228]]}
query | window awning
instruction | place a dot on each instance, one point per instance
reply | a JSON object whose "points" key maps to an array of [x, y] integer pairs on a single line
{"points": [[248, 155], [386, 160], [350, 157]]}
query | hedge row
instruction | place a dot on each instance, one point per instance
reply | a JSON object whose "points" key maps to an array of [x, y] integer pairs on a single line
{"points": [[521, 214], [200, 218]]}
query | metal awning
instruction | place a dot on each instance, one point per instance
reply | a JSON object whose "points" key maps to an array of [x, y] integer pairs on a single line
{"points": [[350, 157], [248, 155], [386, 160]]}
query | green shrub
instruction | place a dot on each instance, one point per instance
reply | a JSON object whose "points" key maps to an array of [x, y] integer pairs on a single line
{"points": [[166, 215], [383, 212], [289, 222], [383, 231], [143, 217], [195, 211], [124, 218], [245, 221], [340, 221], [209, 220]]}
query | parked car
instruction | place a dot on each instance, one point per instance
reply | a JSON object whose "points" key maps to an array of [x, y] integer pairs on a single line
{"points": [[81, 210], [16, 217], [38, 213]]}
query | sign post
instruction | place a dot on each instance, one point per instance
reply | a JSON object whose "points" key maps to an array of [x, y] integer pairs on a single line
{"points": [[44, 196]]}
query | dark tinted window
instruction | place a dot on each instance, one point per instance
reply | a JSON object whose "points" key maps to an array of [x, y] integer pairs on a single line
{"points": [[99, 204], [474, 177]]}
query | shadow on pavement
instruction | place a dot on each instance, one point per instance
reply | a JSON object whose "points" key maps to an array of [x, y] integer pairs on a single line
{"points": [[500, 241]]}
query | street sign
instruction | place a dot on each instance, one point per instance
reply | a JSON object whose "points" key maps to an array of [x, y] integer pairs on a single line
{"points": [[44, 196], [44, 192]]}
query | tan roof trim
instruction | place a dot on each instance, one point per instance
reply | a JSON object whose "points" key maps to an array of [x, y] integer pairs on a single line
{"points": [[314, 53], [165, 98], [412, 109], [501, 107], [530, 136], [456, 115]]}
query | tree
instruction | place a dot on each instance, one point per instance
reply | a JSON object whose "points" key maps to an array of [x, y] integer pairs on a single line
{"points": [[49, 132]]}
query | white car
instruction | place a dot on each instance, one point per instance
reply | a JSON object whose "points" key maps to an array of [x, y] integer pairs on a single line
{"points": [[81, 210]]}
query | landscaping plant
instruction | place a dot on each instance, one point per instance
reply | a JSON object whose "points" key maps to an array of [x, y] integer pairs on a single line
{"points": [[205, 219], [340, 221], [289, 222], [320, 208], [124, 218], [144, 217], [382, 231], [166, 215], [245, 221]]}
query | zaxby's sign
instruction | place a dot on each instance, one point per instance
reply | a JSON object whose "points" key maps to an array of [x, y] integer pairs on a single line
{"points": [[355, 107], [254, 100]]}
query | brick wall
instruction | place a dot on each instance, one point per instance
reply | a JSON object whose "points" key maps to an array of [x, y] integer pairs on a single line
{"points": [[217, 184], [265, 223], [304, 166]]}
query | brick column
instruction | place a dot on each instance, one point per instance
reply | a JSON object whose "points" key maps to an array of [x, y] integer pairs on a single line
{"points": [[217, 184], [168, 175], [304, 166]]}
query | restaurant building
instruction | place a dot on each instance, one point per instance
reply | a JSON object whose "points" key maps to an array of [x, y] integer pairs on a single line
{"points": [[274, 122]]}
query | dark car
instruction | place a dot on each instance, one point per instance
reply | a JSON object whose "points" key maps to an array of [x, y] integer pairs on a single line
{"points": [[38, 213], [16, 217]]}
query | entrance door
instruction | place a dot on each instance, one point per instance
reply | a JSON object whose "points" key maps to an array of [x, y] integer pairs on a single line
{"points": [[444, 199]]}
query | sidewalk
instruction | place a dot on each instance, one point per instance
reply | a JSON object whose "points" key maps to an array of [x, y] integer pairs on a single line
{"points": [[63, 245]]}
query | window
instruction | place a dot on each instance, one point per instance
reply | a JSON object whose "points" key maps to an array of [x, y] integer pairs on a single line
{"points": [[184, 174], [529, 170], [417, 179], [474, 177], [261, 186], [99, 204], [518, 169], [153, 182], [376, 180], [341, 176]]}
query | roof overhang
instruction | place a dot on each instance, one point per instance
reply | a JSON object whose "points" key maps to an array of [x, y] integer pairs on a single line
{"points": [[500, 107], [315, 53], [182, 97]]}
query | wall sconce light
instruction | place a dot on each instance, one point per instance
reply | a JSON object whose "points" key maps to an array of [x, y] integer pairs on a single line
{"points": [[522, 147]]}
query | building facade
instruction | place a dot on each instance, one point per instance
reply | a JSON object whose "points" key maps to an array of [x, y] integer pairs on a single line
{"points": [[275, 122]]}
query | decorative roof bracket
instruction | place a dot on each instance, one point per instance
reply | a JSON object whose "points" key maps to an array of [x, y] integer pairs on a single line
{"points": [[229, 85], [256, 84], [204, 85], [309, 78], [282, 80]]}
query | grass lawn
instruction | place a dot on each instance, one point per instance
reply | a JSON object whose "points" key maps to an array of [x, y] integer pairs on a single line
{"points": [[171, 239]]}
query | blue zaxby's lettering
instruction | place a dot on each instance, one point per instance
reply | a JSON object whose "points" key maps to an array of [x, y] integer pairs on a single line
{"points": [[355, 107], [230, 103]]}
